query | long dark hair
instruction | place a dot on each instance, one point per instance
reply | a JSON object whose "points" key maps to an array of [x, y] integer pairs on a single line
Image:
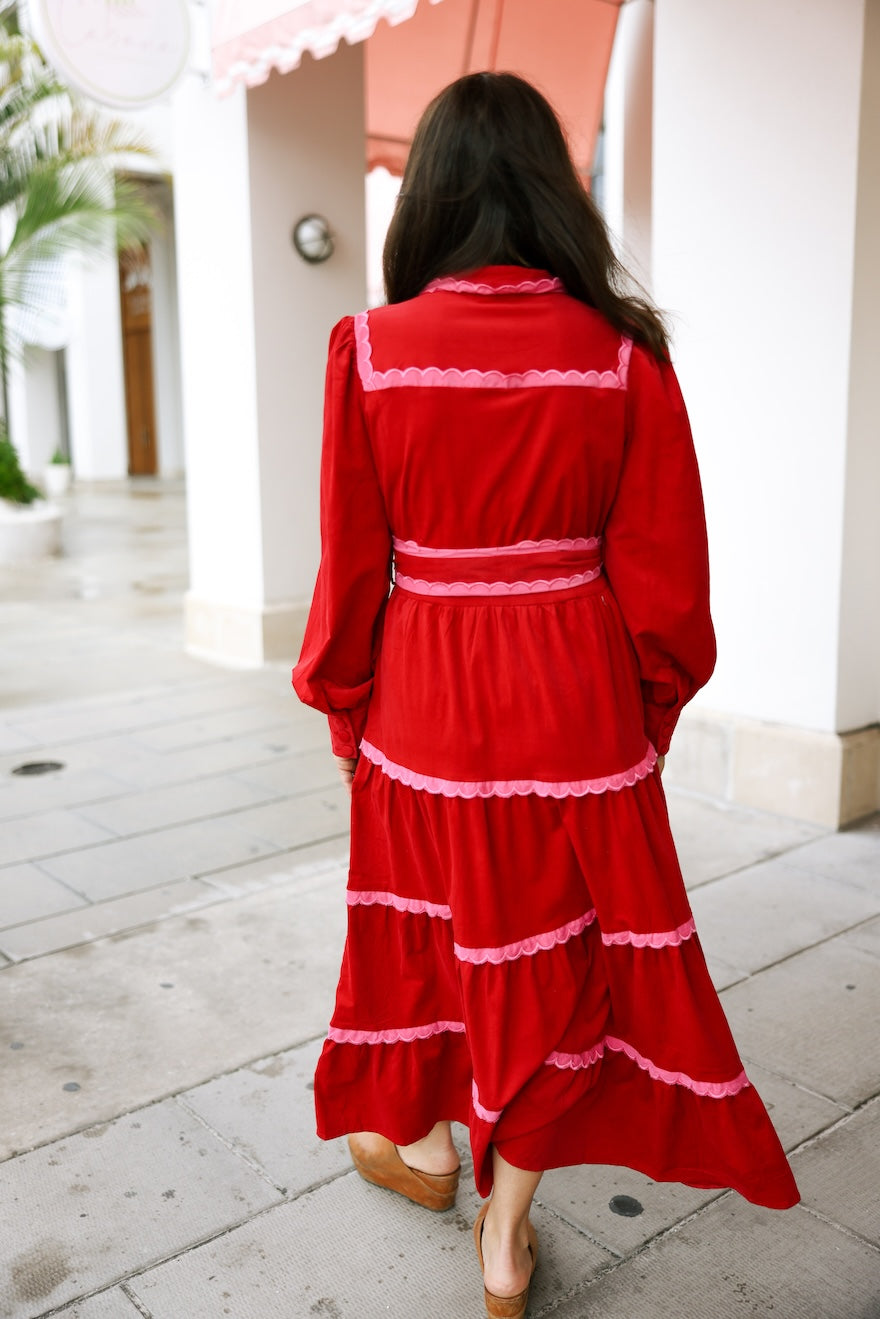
{"points": [[490, 181]]}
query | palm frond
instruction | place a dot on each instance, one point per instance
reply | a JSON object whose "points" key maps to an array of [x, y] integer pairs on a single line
{"points": [[44, 123], [80, 207]]}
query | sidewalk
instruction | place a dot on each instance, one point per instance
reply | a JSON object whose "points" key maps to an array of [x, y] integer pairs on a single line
{"points": [[171, 923]]}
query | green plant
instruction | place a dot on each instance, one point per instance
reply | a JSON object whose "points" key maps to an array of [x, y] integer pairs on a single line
{"points": [[60, 189], [59, 459], [14, 485]]}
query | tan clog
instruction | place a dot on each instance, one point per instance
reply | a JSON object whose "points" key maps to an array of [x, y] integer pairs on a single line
{"points": [[385, 1167], [505, 1307]]}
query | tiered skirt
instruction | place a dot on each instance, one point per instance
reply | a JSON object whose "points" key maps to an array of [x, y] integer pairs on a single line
{"points": [[528, 965]]}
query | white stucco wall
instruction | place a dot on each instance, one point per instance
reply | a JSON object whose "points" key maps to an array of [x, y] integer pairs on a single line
{"points": [[756, 130], [254, 323], [858, 700], [215, 302], [306, 154], [95, 383], [166, 347], [629, 95], [44, 425], [381, 197]]}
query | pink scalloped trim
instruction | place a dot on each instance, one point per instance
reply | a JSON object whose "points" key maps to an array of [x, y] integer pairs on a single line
{"points": [[575, 1062], [706, 1089], [363, 349], [509, 787], [511, 952], [454, 377], [401, 1035], [623, 359], [487, 1114], [415, 906], [448, 284], [665, 939], [494, 551], [417, 586]]}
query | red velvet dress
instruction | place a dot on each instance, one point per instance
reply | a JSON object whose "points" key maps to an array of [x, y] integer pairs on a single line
{"points": [[521, 955]]}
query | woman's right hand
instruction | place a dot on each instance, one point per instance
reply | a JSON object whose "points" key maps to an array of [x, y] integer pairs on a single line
{"points": [[346, 766]]}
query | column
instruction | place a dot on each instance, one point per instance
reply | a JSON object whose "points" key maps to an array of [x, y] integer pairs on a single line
{"points": [[95, 380], [254, 325], [766, 246], [628, 137]]}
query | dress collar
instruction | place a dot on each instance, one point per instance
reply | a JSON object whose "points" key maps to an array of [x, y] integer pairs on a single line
{"points": [[497, 279]]}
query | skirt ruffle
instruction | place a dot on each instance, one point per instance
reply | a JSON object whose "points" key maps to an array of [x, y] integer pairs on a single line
{"points": [[529, 966]]}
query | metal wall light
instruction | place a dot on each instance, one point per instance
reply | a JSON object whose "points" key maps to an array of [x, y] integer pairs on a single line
{"points": [[313, 239]]}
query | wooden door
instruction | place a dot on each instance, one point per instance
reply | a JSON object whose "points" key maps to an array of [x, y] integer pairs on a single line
{"points": [[135, 287]]}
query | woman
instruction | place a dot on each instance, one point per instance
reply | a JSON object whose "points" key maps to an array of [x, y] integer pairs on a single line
{"points": [[507, 436]]}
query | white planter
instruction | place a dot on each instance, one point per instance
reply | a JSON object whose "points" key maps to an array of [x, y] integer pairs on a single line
{"points": [[56, 479], [29, 531]]}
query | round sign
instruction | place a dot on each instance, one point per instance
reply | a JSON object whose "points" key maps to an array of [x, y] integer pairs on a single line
{"points": [[124, 53]]}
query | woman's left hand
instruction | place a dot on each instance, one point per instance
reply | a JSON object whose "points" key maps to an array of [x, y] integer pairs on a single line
{"points": [[346, 766]]}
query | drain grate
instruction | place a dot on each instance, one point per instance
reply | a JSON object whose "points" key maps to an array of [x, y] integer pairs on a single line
{"points": [[33, 767]]}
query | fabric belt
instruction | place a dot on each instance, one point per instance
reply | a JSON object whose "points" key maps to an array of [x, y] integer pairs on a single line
{"points": [[526, 568]]}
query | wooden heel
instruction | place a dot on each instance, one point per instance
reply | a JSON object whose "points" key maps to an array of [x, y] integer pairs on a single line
{"points": [[505, 1307]]}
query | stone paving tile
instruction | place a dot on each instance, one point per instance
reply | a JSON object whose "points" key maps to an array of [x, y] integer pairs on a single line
{"points": [[87, 1210], [131, 864], [42, 835], [300, 870], [157, 808], [292, 774], [813, 1019], [582, 1196], [164, 1008], [714, 839], [216, 692], [866, 937], [13, 739], [351, 1251], [62, 788], [206, 690], [852, 857], [839, 1175], [108, 1305], [735, 1260], [302, 819], [757, 916], [28, 893], [102, 661], [138, 689], [110, 658], [797, 1113], [94, 921], [213, 727], [267, 1112], [104, 756], [722, 974], [82, 720], [137, 766]]}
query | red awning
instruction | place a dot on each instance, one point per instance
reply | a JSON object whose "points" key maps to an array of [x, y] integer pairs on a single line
{"points": [[563, 46], [250, 38]]}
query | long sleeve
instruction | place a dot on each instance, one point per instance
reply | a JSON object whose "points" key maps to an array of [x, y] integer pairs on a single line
{"points": [[335, 668], [656, 555]]}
